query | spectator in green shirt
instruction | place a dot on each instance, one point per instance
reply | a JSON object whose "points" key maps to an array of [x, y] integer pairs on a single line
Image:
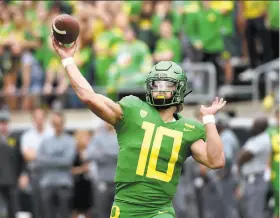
{"points": [[190, 10], [133, 60], [273, 26], [163, 10], [104, 49], [207, 36], [133, 9], [168, 47], [226, 9]]}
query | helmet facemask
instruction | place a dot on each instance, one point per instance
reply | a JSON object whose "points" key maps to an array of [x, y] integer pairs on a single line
{"points": [[166, 85], [162, 92]]}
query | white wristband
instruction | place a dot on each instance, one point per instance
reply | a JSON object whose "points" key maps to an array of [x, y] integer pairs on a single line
{"points": [[208, 119], [67, 61]]}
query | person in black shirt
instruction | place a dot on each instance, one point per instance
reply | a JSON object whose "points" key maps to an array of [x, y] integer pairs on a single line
{"points": [[82, 200], [9, 169]]}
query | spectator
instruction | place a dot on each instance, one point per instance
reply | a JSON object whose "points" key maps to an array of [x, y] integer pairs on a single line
{"points": [[273, 26], [32, 80], [5, 19], [252, 162], [229, 138], [8, 170], [121, 22], [190, 9], [207, 36], [163, 10], [209, 194], [30, 143], [82, 200], [133, 8], [227, 176], [99, 18], [275, 159], [42, 24], [133, 60], [104, 47], [253, 13], [104, 153], [191, 191], [226, 9], [143, 24], [55, 159], [168, 47]]}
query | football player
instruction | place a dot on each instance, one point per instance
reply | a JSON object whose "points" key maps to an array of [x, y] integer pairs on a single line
{"points": [[154, 139]]}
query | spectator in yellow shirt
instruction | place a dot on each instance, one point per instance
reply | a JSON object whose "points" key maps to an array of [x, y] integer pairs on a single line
{"points": [[226, 10], [254, 13]]}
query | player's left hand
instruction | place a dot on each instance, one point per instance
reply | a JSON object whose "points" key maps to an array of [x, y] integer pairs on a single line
{"points": [[217, 105]]}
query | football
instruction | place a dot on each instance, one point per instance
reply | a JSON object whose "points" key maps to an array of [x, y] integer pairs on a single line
{"points": [[65, 29]]}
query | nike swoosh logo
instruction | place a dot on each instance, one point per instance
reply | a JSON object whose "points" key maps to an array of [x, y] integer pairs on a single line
{"points": [[187, 130], [161, 212]]}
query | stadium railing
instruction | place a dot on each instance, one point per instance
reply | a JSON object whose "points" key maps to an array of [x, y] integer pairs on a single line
{"points": [[268, 69], [253, 89], [205, 72]]}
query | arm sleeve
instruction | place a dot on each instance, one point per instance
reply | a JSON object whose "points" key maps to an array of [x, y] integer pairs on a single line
{"points": [[202, 132], [128, 104], [199, 134]]}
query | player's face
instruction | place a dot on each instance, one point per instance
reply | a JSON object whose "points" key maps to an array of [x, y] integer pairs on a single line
{"points": [[162, 89]]}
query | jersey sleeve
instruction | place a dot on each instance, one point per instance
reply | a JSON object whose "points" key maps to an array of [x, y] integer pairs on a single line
{"points": [[197, 134], [201, 132], [128, 105]]}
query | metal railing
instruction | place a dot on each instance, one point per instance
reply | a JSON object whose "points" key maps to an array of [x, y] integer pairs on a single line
{"points": [[259, 71], [252, 89], [206, 71], [208, 75]]}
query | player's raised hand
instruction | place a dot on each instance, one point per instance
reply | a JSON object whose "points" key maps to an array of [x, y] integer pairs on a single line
{"points": [[62, 50], [217, 105]]}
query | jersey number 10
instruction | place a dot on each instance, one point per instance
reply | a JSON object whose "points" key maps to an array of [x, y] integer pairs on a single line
{"points": [[152, 163]]}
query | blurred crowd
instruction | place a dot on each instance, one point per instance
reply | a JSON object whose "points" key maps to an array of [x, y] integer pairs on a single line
{"points": [[120, 40], [50, 172]]}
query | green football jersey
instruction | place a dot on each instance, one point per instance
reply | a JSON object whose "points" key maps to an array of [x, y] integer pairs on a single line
{"points": [[151, 154]]}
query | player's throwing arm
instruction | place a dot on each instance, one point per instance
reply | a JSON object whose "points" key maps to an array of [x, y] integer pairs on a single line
{"points": [[102, 106], [211, 152]]}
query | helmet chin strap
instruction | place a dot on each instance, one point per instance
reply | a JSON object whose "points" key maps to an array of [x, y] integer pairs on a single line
{"points": [[188, 93]]}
